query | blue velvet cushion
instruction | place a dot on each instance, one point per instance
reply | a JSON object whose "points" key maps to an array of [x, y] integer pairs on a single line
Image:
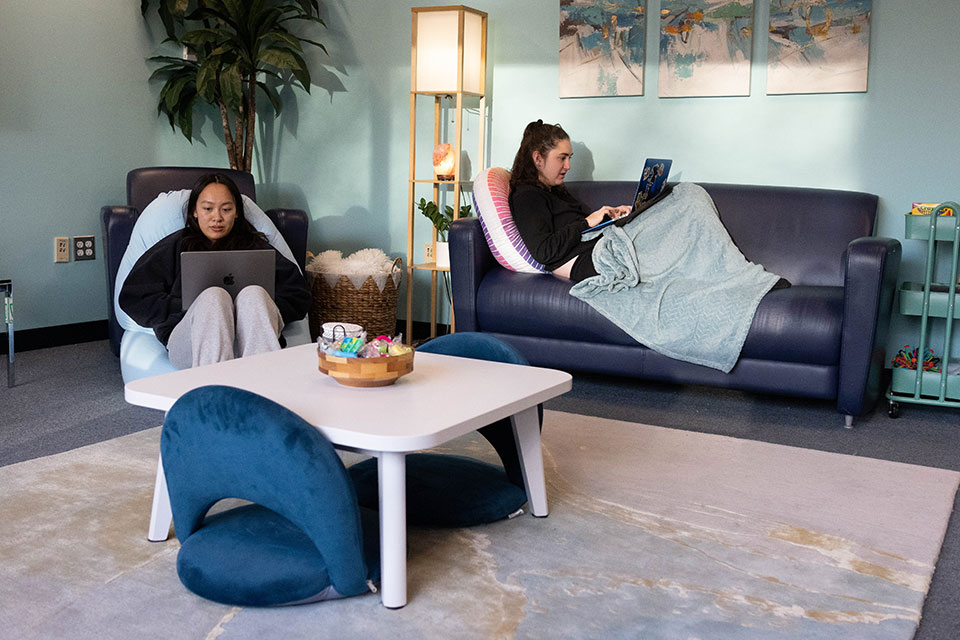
{"points": [[446, 490], [253, 557], [302, 540], [454, 491], [482, 346]]}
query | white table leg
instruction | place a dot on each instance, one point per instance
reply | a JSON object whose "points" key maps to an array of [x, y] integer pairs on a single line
{"points": [[160, 514], [392, 474], [526, 432]]}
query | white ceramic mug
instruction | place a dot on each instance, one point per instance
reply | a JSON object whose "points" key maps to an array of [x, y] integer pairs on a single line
{"points": [[334, 330]]}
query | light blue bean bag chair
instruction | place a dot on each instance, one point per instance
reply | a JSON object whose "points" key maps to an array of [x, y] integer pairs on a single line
{"points": [[141, 353]]}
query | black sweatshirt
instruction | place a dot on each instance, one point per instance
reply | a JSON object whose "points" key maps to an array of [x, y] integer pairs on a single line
{"points": [[151, 294], [550, 222]]}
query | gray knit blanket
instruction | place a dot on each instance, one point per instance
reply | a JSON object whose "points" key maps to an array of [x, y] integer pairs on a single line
{"points": [[673, 279]]}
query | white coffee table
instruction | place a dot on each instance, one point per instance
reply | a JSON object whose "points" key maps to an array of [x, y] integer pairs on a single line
{"points": [[443, 398]]}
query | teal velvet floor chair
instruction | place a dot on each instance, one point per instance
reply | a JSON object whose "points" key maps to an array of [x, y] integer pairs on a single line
{"points": [[457, 491], [303, 538]]}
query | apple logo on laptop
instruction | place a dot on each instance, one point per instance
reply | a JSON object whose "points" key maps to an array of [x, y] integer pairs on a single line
{"points": [[228, 279]]}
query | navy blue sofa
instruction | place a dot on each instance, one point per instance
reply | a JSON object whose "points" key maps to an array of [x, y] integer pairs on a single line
{"points": [[821, 338]]}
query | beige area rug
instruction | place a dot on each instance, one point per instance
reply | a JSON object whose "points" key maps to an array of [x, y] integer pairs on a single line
{"points": [[653, 533]]}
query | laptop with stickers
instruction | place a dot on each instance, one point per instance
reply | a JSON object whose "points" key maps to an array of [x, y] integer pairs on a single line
{"points": [[651, 189]]}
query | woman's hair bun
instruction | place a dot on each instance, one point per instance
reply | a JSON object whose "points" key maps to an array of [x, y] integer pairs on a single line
{"points": [[532, 126]]}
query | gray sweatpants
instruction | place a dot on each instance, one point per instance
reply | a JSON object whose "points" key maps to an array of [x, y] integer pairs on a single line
{"points": [[215, 329]]}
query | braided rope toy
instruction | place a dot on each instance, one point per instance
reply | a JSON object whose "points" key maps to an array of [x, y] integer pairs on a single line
{"points": [[907, 359]]}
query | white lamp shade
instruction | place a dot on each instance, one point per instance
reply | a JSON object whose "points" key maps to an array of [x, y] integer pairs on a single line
{"points": [[436, 39]]}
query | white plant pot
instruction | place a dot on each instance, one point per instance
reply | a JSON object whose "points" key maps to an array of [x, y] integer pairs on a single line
{"points": [[443, 254]]}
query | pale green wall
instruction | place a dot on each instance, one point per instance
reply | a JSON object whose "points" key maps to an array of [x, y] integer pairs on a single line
{"points": [[76, 114]]}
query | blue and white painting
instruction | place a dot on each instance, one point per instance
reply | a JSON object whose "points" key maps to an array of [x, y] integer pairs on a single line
{"points": [[818, 46], [601, 48], [705, 47]]}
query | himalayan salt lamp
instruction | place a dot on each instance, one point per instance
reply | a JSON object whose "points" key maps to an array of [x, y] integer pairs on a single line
{"points": [[443, 161]]}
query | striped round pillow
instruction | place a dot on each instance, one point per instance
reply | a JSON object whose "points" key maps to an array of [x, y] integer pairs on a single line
{"points": [[491, 192]]}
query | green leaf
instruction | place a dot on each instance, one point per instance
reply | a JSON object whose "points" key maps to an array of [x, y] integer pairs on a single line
{"points": [[316, 44], [217, 15], [302, 72], [292, 41], [440, 221], [305, 18], [162, 103], [225, 48], [280, 58], [231, 88], [164, 71], [263, 20], [171, 60], [199, 37], [234, 8], [169, 26], [207, 79], [174, 88], [185, 117]]}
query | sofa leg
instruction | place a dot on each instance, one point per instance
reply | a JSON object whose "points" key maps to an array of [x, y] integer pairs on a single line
{"points": [[848, 421]]}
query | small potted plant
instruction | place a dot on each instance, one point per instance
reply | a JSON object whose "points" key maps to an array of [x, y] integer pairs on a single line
{"points": [[441, 221]]}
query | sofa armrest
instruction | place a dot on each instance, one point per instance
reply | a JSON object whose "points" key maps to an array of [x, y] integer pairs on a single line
{"points": [[293, 225], [870, 281], [118, 224], [470, 260]]}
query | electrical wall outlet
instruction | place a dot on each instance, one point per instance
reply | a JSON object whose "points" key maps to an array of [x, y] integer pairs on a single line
{"points": [[61, 249], [428, 252], [83, 248]]}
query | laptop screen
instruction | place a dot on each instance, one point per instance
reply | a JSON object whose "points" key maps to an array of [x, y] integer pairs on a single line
{"points": [[654, 176], [230, 270], [651, 187]]}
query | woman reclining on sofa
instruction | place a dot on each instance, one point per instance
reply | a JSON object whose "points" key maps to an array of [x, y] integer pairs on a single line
{"points": [[679, 251]]}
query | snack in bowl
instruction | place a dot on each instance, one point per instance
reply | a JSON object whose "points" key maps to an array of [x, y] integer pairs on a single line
{"points": [[377, 363]]}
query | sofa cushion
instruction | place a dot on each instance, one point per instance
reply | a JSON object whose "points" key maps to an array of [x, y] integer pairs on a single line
{"points": [[491, 193], [799, 324], [506, 303]]}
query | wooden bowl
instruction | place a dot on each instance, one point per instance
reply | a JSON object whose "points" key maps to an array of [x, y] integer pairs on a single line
{"points": [[366, 372]]}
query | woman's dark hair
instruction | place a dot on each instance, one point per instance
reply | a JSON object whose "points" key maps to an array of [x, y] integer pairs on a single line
{"points": [[243, 235], [536, 137]]}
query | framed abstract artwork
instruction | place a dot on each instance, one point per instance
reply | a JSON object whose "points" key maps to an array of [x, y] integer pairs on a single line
{"points": [[601, 48], [818, 46], [705, 47]]}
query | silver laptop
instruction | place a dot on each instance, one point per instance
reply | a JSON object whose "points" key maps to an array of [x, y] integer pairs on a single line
{"points": [[230, 270]]}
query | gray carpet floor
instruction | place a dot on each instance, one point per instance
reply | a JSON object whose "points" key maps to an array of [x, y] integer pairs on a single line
{"points": [[67, 397]]}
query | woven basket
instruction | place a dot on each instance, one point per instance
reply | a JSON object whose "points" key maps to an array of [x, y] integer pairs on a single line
{"points": [[338, 299]]}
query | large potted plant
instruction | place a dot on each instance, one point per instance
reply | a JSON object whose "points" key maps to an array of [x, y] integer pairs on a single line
{"points": [[233, 49]]}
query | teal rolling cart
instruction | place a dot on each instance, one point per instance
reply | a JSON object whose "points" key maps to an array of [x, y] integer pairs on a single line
{"points": [[931, 300]]}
